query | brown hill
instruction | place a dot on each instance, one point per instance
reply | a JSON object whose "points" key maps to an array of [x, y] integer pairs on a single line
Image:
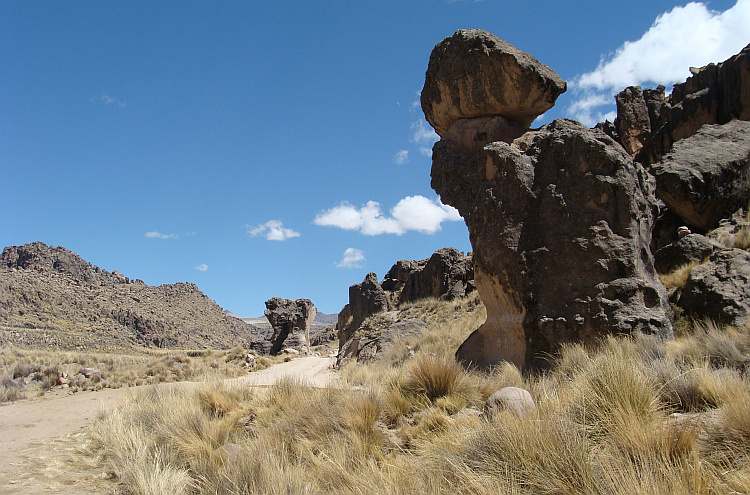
{"points": [[51, 297]]}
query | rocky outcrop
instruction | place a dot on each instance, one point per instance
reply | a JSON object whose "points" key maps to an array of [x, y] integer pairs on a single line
{"points": [[560, 222], [706, 177], [720, 288], [692, 247], [39, 257], [447, 274], [715, 94], [378, 334], [365, 299], [398, 275], [474, 74], [633, 122], [291, 324]]}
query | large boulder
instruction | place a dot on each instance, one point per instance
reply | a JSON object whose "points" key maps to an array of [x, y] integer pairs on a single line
{"points": [[291, 324], [720, 288], [705, 177], [560, 222], [692, 247], [476, 74]]}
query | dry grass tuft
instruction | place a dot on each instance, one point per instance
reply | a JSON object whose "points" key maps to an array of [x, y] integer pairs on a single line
{"points": [[677, 278], [433, 377]]}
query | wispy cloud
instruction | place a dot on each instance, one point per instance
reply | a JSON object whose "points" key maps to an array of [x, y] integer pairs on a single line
{"points": [[422, 134], [415, 213], [401, 157], [108, 99], [273, 230], [158, 235], [689, 36], [352, 258], [202, 267]]}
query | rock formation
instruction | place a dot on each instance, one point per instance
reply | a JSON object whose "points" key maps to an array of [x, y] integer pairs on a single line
{"points": [[696, 142], [446, 275], [560, 222], [715, 94], [720, 288], [291, 324], [706, 177], [39, 257], [692, 247], [476, 74], [365, 299]]}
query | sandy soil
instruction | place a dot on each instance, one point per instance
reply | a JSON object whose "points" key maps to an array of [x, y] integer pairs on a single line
{"points": [[38, 437]]}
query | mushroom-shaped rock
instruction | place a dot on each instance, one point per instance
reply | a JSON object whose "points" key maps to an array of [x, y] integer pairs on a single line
{"points": [[476, 74], [560, 223], [291, 322]]}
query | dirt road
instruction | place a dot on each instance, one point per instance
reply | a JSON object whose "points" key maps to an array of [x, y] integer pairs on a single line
{"points": [[37, 436]]}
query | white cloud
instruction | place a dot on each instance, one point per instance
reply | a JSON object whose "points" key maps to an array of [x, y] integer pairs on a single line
{"points": [[423, 134], [111, 100], [352, 258], [426, 152], [158, 235], [273, 230], [417, 103], [411, 213], [689, 36], [202, 267], [401, 157], [586, 109]]}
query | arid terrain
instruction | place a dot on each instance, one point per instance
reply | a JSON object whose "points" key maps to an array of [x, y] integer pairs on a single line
{"points": [[41, 434]]}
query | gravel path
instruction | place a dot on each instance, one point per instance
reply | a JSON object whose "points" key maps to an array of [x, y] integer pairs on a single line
{"points": [[36, 435]]}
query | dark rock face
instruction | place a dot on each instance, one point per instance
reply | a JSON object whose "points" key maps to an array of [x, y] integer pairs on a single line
{"points": [[706, 176], [291, 324], [447, 274], [633, 123], [715, 94], [720, 288], [692, 247], [365, 299], [560, 222], [398, 275], [476, 74]]}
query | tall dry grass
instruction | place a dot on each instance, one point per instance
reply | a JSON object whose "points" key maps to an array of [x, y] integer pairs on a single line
{"points": [[24, 371], [633, 415]]}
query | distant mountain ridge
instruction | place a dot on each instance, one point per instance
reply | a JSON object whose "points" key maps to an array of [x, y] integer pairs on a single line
{"points": [[51, 297]]}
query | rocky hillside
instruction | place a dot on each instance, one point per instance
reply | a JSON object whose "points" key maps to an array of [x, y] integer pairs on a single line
{"points": [[51, 297]]}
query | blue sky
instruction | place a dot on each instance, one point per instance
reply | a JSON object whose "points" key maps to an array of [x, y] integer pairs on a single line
{"points": [[264, 149]]}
